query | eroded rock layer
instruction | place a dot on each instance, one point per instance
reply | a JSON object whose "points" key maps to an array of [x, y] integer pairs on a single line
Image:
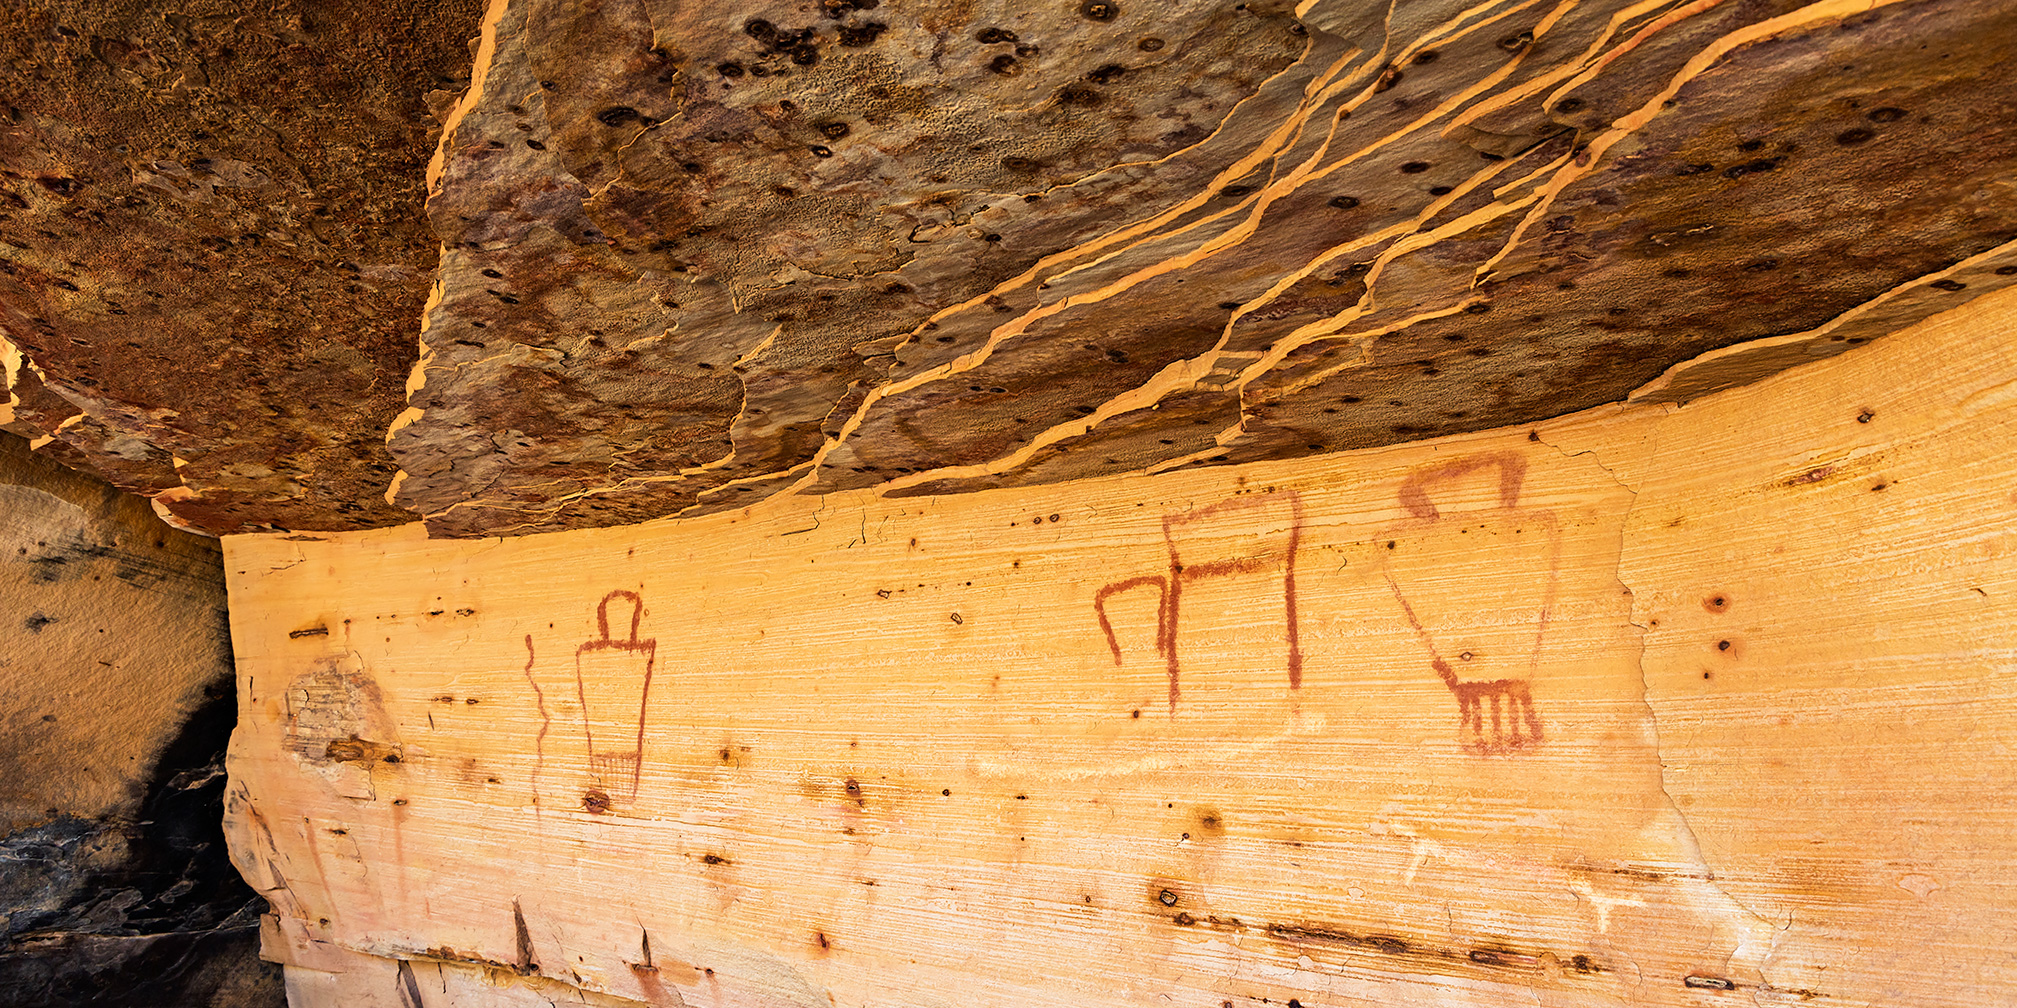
{"points": [[696, 254], [212, 252]]}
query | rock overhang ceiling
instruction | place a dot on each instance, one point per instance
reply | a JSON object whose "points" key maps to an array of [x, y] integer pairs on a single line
{"points": [[692, 256]]}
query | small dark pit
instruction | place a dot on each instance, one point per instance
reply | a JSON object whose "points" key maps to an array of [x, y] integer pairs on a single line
{"points": [[857, 36]]}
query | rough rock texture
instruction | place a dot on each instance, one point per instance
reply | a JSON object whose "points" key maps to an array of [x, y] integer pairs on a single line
{"points": [[697, 255], [1642, 707], [211, 244], [694, 254], [115, 706]]}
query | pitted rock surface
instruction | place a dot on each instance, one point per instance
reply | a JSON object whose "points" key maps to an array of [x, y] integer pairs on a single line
{"points": [[694, 255], [213, 256]]}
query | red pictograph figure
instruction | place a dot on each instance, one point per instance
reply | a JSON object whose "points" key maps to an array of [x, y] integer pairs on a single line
{"points": [[1502, 532], [1170, 586], [612, 680]]}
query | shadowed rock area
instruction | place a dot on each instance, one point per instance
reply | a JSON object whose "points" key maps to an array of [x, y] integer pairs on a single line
{"points": [[116, 701], [691, 256]]}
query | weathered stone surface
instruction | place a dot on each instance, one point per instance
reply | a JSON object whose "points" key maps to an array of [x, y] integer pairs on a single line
{"points": [[1643, 706], [115, 708], [693, 255], [211, 245], [699, 255]]}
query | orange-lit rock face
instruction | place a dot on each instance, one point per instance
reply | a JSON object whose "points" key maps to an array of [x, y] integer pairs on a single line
{"points": [[694, 255], [1643, 706]]}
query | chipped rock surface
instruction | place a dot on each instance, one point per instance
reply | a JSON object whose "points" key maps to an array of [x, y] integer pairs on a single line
{"points": [[689, 255]]}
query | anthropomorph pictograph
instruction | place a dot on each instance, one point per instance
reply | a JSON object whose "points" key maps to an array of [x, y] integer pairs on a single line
{"points": [[1448, 563], [608, 697], [1271, 545]]}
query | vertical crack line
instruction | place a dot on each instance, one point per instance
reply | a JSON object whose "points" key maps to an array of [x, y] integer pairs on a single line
{"points": [[1691, 845]]}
